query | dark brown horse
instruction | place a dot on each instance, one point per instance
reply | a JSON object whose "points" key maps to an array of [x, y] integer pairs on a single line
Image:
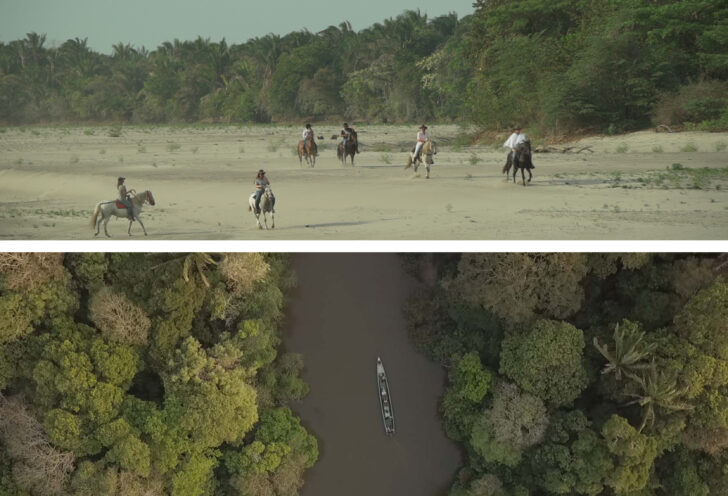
{"points": [[309, 152], [523, 162], [347, 148]]}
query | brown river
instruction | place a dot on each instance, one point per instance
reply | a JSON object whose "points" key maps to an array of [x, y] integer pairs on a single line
{"points": [[344, 313]]}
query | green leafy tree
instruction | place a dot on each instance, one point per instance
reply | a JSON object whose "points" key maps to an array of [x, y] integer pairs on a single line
{"points": [[514, 422], [547, 361]]}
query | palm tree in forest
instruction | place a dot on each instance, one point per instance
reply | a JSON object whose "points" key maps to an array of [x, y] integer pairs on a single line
{"points": [[657, 390], [629, 351]]}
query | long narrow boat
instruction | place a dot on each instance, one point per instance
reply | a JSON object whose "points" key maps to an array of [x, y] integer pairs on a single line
{"points": [[385, 400]]}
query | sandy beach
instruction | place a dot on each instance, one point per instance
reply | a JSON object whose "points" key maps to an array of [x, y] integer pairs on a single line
{"points": [[644, 185]]}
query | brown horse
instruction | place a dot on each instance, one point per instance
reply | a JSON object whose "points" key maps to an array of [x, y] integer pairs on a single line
{"points": [[347, 148], [309, 152], [523, 162]]}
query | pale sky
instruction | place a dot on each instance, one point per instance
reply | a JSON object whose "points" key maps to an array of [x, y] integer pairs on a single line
{"points": [[150, 22]]}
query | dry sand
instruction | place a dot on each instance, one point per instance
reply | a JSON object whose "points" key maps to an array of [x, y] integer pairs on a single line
{"points": [[644, 185]]}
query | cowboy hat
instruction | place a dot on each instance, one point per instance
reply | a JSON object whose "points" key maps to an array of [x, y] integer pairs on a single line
{"points": [[261, 171], [121, 178], [517, 128], [423, 126]]}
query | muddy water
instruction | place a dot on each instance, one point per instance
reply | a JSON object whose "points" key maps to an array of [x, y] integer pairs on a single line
{"points": [[345, 312]]}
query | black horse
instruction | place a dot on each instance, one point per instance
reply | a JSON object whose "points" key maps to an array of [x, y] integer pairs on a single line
{"points": [[523, 162], [347, 148]]}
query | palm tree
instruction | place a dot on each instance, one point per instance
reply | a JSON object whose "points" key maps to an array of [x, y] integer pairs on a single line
{"points": [[190, 262], [658, 390], [629, 351]]}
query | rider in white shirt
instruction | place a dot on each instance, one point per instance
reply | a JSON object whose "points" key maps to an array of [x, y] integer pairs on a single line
{"points": [[514, 140], [307, 135], [422, 138]]}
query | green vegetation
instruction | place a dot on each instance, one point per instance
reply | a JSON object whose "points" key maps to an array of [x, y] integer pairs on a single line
{"points": [[555, 66], [580, 374], [148, 374]]}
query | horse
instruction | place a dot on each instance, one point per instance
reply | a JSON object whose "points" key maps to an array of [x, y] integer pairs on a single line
{"points": [[309, 153], [347, 148], [428, 150], [267, 204], [523, 162], [116, 208]]}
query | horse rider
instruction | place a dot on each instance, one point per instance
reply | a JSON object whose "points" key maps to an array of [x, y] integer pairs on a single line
{"points": [[514, 140], [348, 132], [124, 197], [261, 181], [422, 138], [307, 135]]}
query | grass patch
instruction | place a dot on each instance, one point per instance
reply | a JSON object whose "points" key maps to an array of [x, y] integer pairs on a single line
{"points": [[386, 158], [19, 162], [474, 159], [382, 147], [102, 151], [74, 159], [622, 148], [689, 148], [241, 149], [121, 159], [141, 149], [114, 132], [173, 147], [195, 149], [448, 207], [719, 147], [88, 132], [657, 149], [468, 177]]}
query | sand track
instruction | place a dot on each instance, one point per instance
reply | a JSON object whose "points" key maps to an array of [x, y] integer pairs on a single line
{"points": [[640, 186]]}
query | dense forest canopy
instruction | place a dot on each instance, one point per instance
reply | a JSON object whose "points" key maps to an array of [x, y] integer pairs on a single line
{"points": [[556, 66], [580, 374], [148, 374]]}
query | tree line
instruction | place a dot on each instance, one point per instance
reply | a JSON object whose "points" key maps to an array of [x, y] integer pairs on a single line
{"points": [[148, 374], [556, 66], [580, 374]]}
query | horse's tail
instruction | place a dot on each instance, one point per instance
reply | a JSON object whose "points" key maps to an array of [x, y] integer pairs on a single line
{"points": [[95, 216], [505, 168], [409, 162]]}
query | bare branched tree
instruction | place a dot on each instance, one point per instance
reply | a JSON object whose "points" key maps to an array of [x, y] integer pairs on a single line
{"points": [[38, 466]]}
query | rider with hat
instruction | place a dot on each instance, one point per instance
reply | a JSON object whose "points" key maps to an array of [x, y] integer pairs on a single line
{"points": [[514, 140], [422, 138], [261, 181], [124, 197]]}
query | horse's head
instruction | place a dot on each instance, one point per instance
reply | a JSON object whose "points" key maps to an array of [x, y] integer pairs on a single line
{"points": [[150, 198], [524, 147]]}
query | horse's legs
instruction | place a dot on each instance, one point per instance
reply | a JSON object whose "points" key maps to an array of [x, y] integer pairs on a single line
{"points": [[141, 224], [428, 172], [530, 176], [106, 222], [515, 171], [272, 219], [523, 175], [98, 225], [129, 230]]}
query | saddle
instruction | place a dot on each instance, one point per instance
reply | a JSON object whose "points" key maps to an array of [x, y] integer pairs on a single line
{"points": [[119, 204]]}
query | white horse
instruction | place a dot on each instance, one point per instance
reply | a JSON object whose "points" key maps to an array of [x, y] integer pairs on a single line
{"points": [[428, 150], [267, 204], [114, 207]]}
